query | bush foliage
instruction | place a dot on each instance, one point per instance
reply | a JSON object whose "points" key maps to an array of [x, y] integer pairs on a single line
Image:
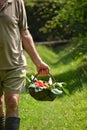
{"points": [[58, 19]]}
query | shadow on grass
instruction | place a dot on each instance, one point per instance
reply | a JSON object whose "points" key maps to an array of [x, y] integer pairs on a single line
{"points": [[72, 53], [75, 79]]}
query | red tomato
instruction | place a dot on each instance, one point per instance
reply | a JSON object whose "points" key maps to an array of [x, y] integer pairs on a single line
{"points": [[39, 83]]}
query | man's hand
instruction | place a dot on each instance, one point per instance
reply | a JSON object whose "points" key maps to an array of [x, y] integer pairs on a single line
{"points": [[43, 69]]}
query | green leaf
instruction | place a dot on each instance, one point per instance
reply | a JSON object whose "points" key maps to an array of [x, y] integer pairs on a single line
{"points": [[65, 91]]}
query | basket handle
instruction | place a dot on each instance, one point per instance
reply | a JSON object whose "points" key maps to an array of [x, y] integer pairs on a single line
{"points": [[53, 79]]}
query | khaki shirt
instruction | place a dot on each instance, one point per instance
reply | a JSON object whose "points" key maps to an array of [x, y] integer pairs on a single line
{"points": [[12, 20]]}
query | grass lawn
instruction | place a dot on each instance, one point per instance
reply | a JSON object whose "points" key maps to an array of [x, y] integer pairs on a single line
{"points": [[68, 63]]}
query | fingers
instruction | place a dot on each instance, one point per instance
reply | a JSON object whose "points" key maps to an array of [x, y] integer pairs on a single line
{"points": [[43, 72], [43, 69]]}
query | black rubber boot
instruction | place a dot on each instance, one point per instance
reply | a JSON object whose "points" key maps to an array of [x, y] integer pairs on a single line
{"points": [[12, 123], [2, 123]]}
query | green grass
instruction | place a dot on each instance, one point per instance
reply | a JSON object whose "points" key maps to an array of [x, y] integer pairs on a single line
{"points": [[66, 113], [68, 63]]}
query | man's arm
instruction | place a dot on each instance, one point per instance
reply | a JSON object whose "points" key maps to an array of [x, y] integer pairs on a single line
{"points": [[28, 45]]}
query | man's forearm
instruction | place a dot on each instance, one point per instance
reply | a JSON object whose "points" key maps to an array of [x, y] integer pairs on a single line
{"points": [[29, 47]]}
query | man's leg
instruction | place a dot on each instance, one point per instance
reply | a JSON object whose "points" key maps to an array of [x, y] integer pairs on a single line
{"points": [[13, 83], [12, 120], [2, 121]]}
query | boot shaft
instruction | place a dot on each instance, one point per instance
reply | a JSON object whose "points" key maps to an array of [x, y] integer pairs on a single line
{"points": [[2, 123], [12, 123]]}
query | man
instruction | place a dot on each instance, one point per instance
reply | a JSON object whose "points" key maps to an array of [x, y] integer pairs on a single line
{"points": [[14, 38]]}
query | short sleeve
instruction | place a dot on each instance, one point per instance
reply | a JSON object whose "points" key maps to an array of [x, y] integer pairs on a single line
{"points": [[22, 16]]}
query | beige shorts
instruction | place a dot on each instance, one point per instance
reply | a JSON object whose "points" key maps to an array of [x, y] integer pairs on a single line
{"points": [[12, 81]]}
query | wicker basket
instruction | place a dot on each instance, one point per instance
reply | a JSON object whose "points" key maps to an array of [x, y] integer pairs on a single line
{"points": [[41, 93]]}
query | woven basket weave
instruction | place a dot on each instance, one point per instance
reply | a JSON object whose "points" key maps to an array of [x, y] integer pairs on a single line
{"points": [[44, 95]]}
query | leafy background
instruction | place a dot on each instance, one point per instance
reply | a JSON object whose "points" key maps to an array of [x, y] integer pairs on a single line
{"points": [[58, 19]]}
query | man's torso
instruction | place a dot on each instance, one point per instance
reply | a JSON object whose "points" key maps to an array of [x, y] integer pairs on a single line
{"points": [[11, 51]]}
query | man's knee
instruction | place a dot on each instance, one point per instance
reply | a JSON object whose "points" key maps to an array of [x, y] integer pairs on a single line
{"points": [[11, 101]]}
